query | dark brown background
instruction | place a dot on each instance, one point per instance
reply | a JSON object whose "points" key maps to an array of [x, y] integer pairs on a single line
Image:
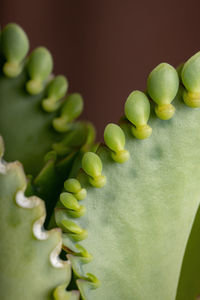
{"points": [[107, 48]]}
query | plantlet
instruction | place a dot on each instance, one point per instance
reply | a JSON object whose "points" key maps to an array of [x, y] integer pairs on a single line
{"points": [[128, 211]]}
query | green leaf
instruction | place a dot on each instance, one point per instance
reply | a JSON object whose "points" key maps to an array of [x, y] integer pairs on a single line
{"points": [[29, 263], [139, 222]]}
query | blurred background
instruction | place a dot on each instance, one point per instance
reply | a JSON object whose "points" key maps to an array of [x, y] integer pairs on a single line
{"points": [[107, 48]]}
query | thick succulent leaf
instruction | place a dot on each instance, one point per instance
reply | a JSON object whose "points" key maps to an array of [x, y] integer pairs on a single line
{"points": [[34, 116], [28, 133], [35, 119], [138, 224], [29, 262], [26, 128]]}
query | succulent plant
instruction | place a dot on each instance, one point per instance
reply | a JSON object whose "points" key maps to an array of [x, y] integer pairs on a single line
{"points": [[125, 213]]}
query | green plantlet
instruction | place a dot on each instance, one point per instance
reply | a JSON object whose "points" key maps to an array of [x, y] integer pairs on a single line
{"points": [[115, 139], [70, 111], [127, 211], [69, 201], [162, 85], [83, 252], [190, 76], [55, 91], [91, 164], [72, 185], [14, 45], [72, 227], [39, 66], [76, 233], [137, 111]]}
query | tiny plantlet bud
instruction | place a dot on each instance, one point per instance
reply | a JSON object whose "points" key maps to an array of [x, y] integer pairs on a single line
{"points": [[93, 279], [162, 86], [191, 80], [72, 185], [115, 139], [74, 138], [39, 66], [55, 91], [69, 201], [92, 165], [91, 134], [72, 227], [51, 155], [137, 111], [83, 252], [77, 213], [81, 194], [70, 111], [78, 236], [14, 46]]}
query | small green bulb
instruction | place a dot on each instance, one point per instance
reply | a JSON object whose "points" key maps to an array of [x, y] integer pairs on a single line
{"points": [[79, 237], [39, 66], [92, 165], [115, 139], [69, 201], [92, 278], [72, 227], [77, 213], [51, 155], [81, 194], [190, 76], [72, 185], [137, 111], [14, 46], [55, 91], [90, 138], [162, 86], [71, 110], [84, 253]]}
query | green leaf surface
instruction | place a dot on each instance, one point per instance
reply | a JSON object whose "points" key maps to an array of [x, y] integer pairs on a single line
{"points": [[26, 128], [138, 224], [29, 266]]}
